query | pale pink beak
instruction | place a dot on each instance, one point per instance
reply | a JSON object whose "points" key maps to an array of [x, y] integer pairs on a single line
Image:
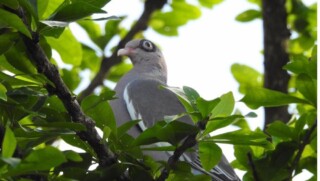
{"points": [[125, 51]]}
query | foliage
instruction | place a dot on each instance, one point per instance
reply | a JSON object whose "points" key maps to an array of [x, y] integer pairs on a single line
{"points": [[296, 142], [33, 119]]}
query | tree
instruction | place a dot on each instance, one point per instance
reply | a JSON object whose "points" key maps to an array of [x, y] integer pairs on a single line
{"points": [[38, 108]]}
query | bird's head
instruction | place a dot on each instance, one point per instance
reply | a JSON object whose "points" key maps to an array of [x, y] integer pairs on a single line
{"points": [[142, 51]]}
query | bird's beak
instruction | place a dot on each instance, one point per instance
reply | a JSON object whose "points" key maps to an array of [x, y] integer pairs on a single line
{"points": [[125, 51]]}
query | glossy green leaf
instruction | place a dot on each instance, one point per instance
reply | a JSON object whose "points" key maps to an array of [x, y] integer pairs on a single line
{"points": [[106, 132], [242, 137], [9, 143], [224, 107], [75, 11], [182, 98], [42, 159], [280, 129], [6, 41], [308, 87], [248, 15], [257, 97], [19, 60], [72, 155], [13, 162], [9, 19], [220, 122], [252, 77], [111, 29], [122, 129], [209, 3], [205, 107], [90, 60], [300, 64], [172, 132], [117, 71], [71, 78], [77, 142], [210, 154], [68, 47], [3, 92], [191, 94], [99, 110], [14, 4]]}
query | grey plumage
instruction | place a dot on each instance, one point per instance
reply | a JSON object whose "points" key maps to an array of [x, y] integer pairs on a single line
{"points": [[139, 97]]}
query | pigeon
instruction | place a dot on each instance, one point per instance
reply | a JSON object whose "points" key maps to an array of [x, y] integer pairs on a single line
{"points": [[139, 96]]}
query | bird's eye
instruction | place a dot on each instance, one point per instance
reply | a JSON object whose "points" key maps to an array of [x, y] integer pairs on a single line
{"points": [[147, 45]]}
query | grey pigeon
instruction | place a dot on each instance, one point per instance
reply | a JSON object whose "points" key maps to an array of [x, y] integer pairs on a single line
{"points": [[139, 97]]}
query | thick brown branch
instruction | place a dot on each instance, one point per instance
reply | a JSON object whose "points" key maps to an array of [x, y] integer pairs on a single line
{"points": [[91, 135], [108, 62], [276, 36]]}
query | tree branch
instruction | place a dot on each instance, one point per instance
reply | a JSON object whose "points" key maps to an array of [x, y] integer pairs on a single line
{"points": [[107, 62], [44, 66], [189, 142], [276, 36], [304, 142], [253, 167]]}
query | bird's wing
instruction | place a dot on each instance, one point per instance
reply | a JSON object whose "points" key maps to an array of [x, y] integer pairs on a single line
{"points": [[147, 101]]}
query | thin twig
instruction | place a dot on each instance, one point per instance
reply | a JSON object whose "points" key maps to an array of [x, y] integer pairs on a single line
{"points": [[304, 142], [189, 142], [107, 62], [253, 167]]}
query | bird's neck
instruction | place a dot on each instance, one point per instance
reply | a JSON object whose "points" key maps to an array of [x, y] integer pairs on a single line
{"points": [[154, 71]]}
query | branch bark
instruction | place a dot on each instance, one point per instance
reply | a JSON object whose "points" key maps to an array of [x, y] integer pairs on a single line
{"points": [[105, 156], [276, 36], [107, 62]]}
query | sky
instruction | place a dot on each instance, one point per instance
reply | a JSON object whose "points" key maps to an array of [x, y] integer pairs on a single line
{"points": [[202, 55]]}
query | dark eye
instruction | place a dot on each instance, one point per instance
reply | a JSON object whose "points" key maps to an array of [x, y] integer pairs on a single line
{"points": [[147, 45]]}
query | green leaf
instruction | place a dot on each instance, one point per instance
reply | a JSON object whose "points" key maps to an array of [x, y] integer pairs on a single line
{"points": [[7, 40], [209, 3], [19, 60], [210, 154], [243, 137], [111, 29], [9, 143], [257, 97], [42, 159], [72, 155], [224, 107], [182, 98], [14, 4], [68, 47], [205, 107], [90, 60], [220, 122], [71, 78], [191, 94], [301, 64], [106, 132], [308, 87], [98, 108], [162, 131], [280, 129], [252, 77], [76, 10], [9, 19], [46, 8], [117, 71], [77, 142], [248, 15], [3, 91], [126, 126]]}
